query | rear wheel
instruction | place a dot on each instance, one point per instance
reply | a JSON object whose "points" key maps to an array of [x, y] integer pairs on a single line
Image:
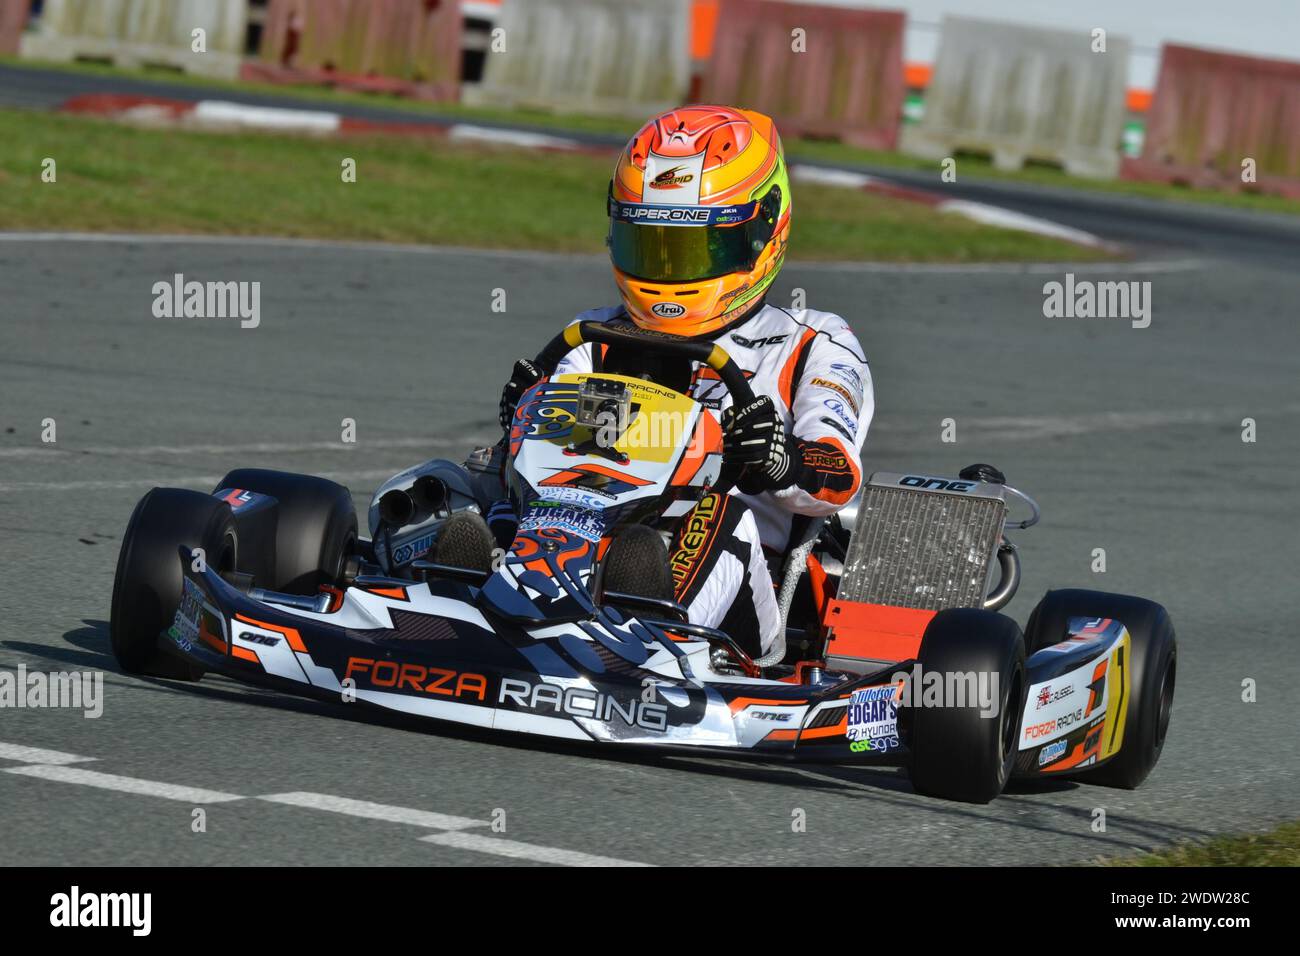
{"points": [[147, 585], [316, 526], [961, 752], [1153, 663]]}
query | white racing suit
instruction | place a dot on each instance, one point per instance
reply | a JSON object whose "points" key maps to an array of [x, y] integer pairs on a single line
{"points": [[814, 369]]}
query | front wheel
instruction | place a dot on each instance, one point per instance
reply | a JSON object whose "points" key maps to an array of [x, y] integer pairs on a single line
{"points": [[1153, 659], [147, 585], [964, 744]]}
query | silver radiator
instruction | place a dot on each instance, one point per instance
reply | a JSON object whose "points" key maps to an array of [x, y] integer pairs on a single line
{"points": [[923, 542]]}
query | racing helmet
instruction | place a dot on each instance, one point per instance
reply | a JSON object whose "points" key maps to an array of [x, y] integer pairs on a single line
{"points": [[699, 217]]}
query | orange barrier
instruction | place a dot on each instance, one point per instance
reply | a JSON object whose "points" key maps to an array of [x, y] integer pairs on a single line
{"points": [[847, 83], [13, 18], [404, 46], [1211, 112], [704, 24]]}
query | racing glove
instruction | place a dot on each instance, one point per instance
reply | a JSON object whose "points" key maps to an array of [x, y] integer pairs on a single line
{"points": [[523, 377], [755, 440]]}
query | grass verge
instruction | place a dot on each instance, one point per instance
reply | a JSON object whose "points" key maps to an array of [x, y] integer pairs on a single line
{"points": [[112, 177], [798, 148], [1278, 847]]}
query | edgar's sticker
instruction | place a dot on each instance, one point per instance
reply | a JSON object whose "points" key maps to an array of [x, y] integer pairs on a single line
{"points": [[873, 718], [583, 522]]}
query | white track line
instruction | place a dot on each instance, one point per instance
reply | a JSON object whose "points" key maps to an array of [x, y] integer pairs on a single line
{"points": [[1002, 218], [243, 116], [38, 755], [523, 851], [983, 213], [51, 766], [467, 132], [374, 811], [843, 178], [112, 781]]}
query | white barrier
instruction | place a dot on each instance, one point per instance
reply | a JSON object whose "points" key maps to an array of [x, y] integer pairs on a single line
{"points": [[588, 56], [132, 33], [1025, 93]]}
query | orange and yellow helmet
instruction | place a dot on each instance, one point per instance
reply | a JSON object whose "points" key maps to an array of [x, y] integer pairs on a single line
{"points": [[699, 217]]}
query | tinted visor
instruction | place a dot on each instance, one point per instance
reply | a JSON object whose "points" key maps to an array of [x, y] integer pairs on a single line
{"points": [[685, 243]]}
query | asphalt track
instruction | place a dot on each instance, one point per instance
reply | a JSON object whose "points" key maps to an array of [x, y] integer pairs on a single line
{"points": [[1130, 438]]}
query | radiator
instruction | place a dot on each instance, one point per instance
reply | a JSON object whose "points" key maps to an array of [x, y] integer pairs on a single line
{"points": [[923, 542]]}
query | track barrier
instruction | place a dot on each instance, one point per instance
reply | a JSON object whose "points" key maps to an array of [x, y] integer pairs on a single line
{"points": [[1024, 94], [817, 70], [408, 47], [588, 56], [1220, 119], [136, 33]]}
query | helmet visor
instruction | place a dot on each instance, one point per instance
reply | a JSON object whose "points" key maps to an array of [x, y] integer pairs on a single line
{"points": [[682, 243]]}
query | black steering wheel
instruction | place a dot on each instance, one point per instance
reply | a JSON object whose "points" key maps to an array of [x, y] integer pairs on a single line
{"points": [[706, 353]]}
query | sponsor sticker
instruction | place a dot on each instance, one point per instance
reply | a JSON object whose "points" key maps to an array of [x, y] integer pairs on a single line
{"points": [[586, 497], [1049, 696], [195, 619], [670, 215], [586, 523], [836, 406], [410, 550], [674, 178], [832, 423], [757, 343], [838, 389], [1036, 731], [848, 373], [873, 719], [185, 625], [1051, 752]]}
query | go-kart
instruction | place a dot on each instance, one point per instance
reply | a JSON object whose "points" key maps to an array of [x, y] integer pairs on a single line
{"points": [[893, 650]]}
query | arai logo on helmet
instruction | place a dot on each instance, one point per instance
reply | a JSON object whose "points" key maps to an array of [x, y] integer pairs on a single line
{"points": [[668, 310]]}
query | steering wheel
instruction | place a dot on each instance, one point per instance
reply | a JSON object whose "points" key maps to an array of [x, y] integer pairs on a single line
{"points": [[706, 353]]}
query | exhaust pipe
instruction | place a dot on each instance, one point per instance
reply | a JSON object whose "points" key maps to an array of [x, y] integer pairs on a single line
{"points": [[427, 496]]}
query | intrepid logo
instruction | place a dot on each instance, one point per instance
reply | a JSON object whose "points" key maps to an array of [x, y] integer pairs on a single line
{"points": [[672, 179], [74, 909]]}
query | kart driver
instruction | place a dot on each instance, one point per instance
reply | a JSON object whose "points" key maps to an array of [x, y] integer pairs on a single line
{"points": [[699, 220]]}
